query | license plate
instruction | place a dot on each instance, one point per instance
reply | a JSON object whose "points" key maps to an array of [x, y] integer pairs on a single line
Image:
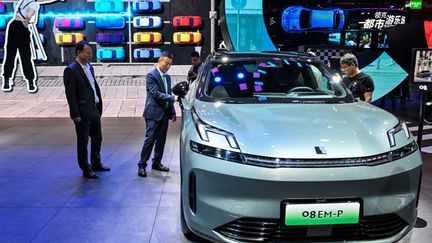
{"points": [[322, 213]]}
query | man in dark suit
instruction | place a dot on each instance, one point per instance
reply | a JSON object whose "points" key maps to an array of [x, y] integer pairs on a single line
{"points": [[85, 106], [159, 108]]}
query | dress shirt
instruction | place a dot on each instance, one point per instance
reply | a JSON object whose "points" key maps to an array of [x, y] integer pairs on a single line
{"points": [[90, 77]]}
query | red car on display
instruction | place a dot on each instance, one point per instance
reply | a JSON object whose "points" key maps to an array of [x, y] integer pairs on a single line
{"points": [[193, 22]]}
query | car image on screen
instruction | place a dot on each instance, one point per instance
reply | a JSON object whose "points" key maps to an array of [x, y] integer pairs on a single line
{"points": [[275, 148], [424, 74], [299, 19]]}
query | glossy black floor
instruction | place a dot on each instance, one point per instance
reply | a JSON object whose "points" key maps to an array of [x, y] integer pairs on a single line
{"points": [[43, 197]]}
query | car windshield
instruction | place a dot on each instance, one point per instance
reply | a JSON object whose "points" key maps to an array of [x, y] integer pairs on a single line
{"points": [[337, 19], [273, 79], [305, 19]]}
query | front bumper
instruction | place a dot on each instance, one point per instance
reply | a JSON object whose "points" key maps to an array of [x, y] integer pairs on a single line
{"points": [[225, 192]]}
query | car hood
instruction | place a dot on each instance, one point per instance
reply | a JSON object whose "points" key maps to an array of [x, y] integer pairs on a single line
{"points": [[294, 130]]}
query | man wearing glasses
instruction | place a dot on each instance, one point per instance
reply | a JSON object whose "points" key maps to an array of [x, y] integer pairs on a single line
{"points": [[360, 84]]}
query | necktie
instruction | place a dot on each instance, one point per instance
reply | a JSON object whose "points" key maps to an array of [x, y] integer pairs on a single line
{"points": [[165, 83], [166, 89]]}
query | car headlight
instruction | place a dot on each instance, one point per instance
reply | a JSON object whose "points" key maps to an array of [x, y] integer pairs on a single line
{"points": [[203, 129], [216, 152], [401, 126]]}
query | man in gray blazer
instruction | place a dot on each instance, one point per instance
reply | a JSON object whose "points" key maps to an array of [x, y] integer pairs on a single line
{"points": [[159, 108], [85, 106]]}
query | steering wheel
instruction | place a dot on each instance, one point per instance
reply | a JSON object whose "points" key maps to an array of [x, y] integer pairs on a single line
{"points": [[305, 88]]}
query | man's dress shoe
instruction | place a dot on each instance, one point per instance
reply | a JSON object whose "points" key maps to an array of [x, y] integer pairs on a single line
{"points": [[7, 87], [90, 174], [100, 167], [142, 171], [160, 167]]}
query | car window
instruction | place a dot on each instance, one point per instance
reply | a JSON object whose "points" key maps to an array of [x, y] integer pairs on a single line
{"points": [[337, 19], [270, 79], [305, 19]]}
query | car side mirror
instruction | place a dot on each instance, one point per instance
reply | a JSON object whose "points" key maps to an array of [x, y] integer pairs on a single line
{"points": [[181, 89]]}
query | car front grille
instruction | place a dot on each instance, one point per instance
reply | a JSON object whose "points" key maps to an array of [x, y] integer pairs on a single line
{"points": [[272, 162], [270, 230]]}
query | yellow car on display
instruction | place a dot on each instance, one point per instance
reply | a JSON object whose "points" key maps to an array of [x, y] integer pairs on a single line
{"points": [[147, 38], [68, 38], [187, 38]]}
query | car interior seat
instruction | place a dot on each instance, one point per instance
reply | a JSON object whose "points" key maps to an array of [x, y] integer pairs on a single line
{"points": [[219, 92], [284, 80]]}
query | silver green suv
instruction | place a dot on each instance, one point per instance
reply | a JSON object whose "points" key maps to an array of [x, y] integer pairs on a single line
{"points": [[275, 148]]}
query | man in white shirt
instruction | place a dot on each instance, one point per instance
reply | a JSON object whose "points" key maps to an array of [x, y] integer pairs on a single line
{"points": [[85, 106]]}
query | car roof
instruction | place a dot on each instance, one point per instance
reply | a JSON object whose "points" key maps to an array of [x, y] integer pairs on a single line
{"points": [[264, 54]]}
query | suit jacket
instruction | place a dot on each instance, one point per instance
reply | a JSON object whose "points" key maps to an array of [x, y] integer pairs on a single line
{"points": [[157, 97], [80, 94]]}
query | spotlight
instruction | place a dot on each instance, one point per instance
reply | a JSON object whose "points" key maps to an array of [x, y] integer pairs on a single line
{"points": [[217, 79], [240, 75]]}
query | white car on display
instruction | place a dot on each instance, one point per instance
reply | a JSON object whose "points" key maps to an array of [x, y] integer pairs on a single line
{"points": [[147, 22], [300, 19], [275, 148]]}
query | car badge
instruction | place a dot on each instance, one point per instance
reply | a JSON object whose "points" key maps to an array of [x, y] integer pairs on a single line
{"points": [[320, 150]]}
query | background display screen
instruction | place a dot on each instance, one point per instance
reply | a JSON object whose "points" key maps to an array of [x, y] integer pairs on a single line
{"points": [[422, 66]]}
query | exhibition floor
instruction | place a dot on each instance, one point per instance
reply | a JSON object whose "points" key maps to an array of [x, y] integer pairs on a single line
{"points": [[44, 198]]}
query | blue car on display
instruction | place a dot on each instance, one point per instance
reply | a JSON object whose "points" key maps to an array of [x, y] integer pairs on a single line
{"points": [[110, 22], [146, 54], [41, 24], [110, 54], [300, 19], [150, 22], [109, 6], [43, 39], [275, 148], [145, 6], [3, 22], [110, 38], [2, 38]]}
